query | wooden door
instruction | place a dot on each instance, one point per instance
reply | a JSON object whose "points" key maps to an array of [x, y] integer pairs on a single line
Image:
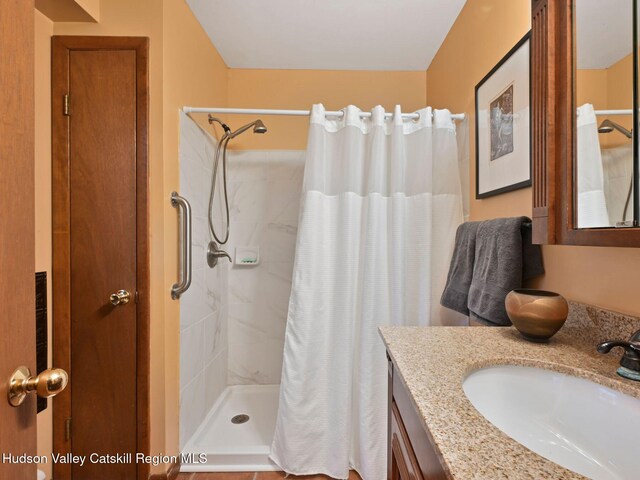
{"points": [[17, 229], [99, 235]]}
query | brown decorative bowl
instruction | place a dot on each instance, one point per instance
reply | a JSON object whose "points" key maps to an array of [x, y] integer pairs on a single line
{"points": [[537, 314]]}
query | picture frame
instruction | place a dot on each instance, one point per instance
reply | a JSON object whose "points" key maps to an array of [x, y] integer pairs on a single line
{"points": [[503, 124]]}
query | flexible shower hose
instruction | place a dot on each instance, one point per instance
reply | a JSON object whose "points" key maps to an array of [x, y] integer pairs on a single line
{"points": [[222, 146]]}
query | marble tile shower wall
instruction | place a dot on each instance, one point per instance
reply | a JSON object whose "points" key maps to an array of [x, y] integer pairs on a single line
{"points": [[264, 195], [203, 308]]}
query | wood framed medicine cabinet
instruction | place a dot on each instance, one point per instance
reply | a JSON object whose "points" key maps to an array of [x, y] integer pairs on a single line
{"points": [[554, 130]]}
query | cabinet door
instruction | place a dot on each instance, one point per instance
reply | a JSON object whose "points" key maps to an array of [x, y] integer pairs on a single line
{"points": [[412, 452], [404, 465]]}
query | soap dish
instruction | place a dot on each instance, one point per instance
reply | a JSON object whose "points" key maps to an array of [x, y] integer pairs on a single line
{"points": [[247, 256]]}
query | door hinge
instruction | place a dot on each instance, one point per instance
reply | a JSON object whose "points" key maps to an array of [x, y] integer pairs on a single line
{"points": [[67, 429], [65, 105]]}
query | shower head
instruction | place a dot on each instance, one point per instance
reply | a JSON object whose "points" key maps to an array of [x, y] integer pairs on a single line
{"points": [[608, 126], [258, 127]]}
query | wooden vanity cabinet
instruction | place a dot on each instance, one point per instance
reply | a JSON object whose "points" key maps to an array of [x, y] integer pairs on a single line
{"points": [[411, 451]]}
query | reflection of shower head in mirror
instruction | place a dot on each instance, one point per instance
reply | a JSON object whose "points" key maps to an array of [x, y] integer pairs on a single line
{"points": [[608, 126]]}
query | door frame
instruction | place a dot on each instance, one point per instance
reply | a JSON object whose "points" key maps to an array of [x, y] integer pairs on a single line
{"points": [[61, 46]]}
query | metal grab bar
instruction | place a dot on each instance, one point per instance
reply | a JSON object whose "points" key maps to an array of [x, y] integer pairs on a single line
{"points": [[184, 246]]}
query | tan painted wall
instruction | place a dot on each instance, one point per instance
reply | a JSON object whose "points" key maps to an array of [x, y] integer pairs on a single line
{"points": [[193, 74], [601, 276], [70, 10], [184, 69], [592, 88], [299, 89]]}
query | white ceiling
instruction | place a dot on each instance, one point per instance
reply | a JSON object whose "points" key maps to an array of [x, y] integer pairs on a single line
{"points": [[327, 34], [603, 32]]}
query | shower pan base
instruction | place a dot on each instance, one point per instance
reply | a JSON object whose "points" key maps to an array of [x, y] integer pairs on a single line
{"points": [[240, 445]]}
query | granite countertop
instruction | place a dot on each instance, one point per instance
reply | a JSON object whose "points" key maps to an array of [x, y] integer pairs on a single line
{"points": [[433, 362]]}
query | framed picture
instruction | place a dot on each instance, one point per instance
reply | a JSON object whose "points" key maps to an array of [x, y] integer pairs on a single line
{"points": [[503, 135]]}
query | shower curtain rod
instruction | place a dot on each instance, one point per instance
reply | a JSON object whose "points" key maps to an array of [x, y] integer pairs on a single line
{"points": [[613, 112], [297, 113]]}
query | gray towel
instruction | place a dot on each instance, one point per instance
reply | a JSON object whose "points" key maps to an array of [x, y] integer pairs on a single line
{"points": [[504, 258], [456, 291]]}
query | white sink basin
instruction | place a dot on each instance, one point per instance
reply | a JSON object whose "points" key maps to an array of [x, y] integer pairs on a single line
{"points": [[578, 424]]}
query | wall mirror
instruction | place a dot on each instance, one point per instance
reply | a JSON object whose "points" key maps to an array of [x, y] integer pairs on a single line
{"points": [[584, 104], [604, 96]]}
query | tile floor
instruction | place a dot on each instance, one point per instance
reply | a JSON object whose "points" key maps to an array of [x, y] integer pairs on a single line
{"points": [[255, 476]]}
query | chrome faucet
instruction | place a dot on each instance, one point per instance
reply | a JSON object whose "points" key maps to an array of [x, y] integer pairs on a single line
{"points": [[630, 361]]}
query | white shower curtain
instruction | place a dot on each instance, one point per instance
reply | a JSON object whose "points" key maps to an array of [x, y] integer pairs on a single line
{"points": [[592, 206], [380, 205]]}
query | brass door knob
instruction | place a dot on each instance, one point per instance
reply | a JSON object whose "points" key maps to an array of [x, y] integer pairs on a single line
{"points": [[121, 297], [48, 384]]}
